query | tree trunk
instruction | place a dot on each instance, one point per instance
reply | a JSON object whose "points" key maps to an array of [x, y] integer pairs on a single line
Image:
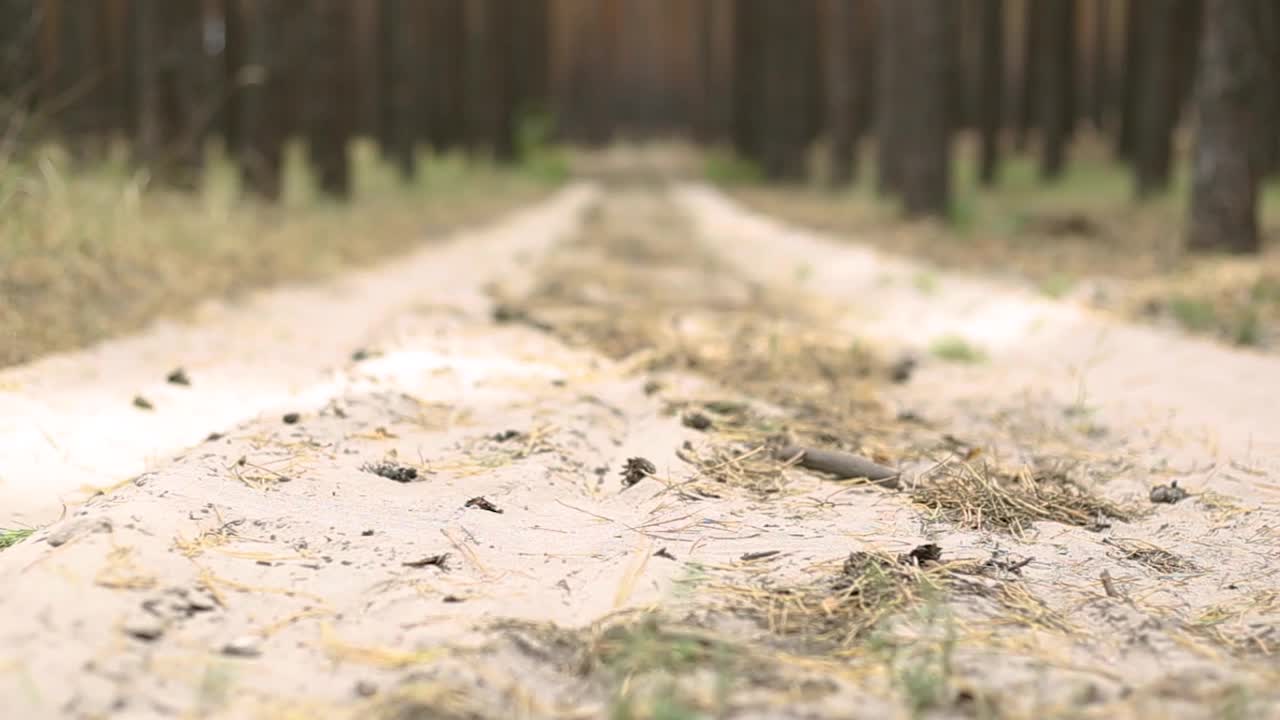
{"points": [[146, 139], [789, 94], [991, 75], [1136, 13], [445, 43], [1225, 174], [256, 71], [864, 69], [925, 115], [329, 101], [404, 111], [1101, 97], [1054, 84], [1031, 54], [891, 33], [747, 37], [1153, 145], [840, 90], [487, 115], [1271, 136]]}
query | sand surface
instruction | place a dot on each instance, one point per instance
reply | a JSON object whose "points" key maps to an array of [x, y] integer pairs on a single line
{"points": [[505, 570]]}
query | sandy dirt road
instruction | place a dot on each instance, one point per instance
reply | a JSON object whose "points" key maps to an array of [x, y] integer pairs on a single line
{"points": [[449, 528]]}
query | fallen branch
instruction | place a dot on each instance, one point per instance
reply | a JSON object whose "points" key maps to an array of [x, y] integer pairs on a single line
{"points": [[841, 464]]}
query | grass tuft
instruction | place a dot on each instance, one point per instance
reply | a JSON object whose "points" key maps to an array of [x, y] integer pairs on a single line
{"points": [[954, 348], [12, 536]]}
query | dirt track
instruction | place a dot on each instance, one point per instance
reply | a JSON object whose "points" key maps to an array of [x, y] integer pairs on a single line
{"points": [[269, 573]]}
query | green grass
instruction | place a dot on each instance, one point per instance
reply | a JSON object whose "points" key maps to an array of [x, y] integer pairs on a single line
{"points": [[652, 668], [727, 168], [12, 536], [954, 348], [1057, 285], [926, 282], [1193, 314]]}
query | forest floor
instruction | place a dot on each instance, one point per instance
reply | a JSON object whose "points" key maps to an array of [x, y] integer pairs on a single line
{"points": [[551, 470], [1082, 238]]}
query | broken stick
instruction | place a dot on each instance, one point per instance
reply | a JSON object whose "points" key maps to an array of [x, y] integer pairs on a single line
{"points": [[841, 464]]}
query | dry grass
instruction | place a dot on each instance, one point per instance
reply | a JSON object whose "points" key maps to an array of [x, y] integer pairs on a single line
{"points": [[1152, 556], [91, 252], [661, 303], [1064, 239], [852, 603], [986, 498]]}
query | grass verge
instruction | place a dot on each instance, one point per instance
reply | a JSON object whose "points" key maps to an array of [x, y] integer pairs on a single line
{"points": [[90, 250]]}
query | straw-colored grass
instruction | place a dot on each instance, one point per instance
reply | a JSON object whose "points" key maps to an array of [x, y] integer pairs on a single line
{"points": [[91, 250], [1064, 238], [986, 498]]}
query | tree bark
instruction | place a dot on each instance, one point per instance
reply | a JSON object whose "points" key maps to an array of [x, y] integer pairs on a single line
{"points": [[789, 87], [1134, 52], [891, 61], [146, 138], [1155, 111], [443, 76], [840, 90], [991, 99], [330, 119], [1225, 172], [926, 115], [404, 111], [1101, 97], [1032, 54], [747, 36], [1054, 107]]}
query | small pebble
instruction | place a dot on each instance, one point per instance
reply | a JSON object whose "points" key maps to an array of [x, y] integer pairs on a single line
{"points": [[243, 646], [144, 626], [142, 403], [291, 418], [365, 688], [178, 377]]}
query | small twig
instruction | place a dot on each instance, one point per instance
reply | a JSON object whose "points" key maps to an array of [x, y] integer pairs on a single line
{"points": [[1109, 586], [842, 464]]}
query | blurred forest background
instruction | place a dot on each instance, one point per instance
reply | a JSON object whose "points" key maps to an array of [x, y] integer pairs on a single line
{"points": [[925, 103]]}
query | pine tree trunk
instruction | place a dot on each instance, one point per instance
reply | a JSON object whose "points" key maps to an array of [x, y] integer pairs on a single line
{"points": [[1054, 84], [926, 115], [864, 69], [146, 81], [256, 70], [839, 21], [991, 101], [891, 34], [789, 98], [1136, 13], [1101, 96], [746, 78], [443, 77], [1155, 111], [404, 93], [330, 97], [1032, 54], [1225, 172]]}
